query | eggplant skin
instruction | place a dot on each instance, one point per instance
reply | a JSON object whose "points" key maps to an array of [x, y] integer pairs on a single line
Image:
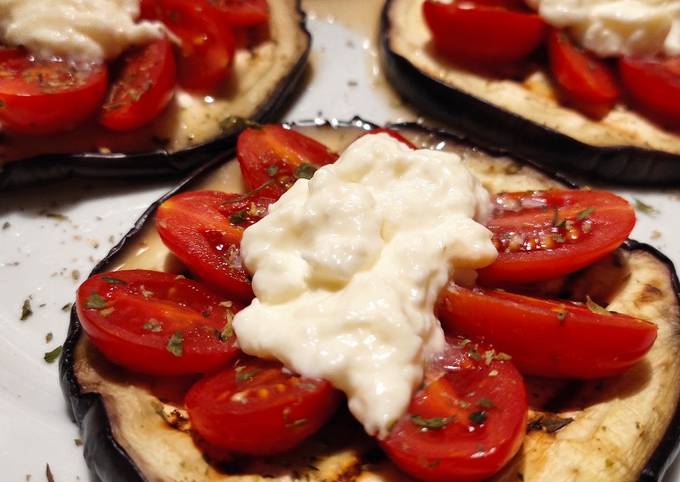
{"points": [[157, 163], [112, 463], [494, 126]]}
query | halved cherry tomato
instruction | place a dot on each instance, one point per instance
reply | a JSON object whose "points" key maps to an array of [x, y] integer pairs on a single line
{"points": [[256, 407], [272, 158], [586, 81], [47, 96], [467, 421], [392, 133], [204, 229], [545, 234], [483, 32], [207, 49], [243, 13], [654, 83], [142, 87], [157, 323], [557, 339]]}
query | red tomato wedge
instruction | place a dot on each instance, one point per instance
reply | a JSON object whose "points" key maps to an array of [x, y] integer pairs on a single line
{"points": [[272, 158], [545, 234], [467, 422], [142, 87], [205, 56], [242, 13], [483, 32], [204, 229], [47, 96], [557, 339], [157, 323], [655, 84], [392, 133], [586, 82], [256, 407]]}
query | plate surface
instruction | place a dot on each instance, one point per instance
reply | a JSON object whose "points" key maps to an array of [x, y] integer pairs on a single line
{"points": [[51, 237]]}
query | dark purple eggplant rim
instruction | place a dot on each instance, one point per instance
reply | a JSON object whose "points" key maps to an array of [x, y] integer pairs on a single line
{"points": [[106, 458], [490, 125], [157, 163]]}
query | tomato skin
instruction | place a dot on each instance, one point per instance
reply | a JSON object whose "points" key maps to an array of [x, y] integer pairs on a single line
{"points": [[204, 229], [545, 251], [131, 317], [483, 32], [47, 96], [655, 84], [548, 338], [205, 56], [586, 81], [271, 158], [242, 13], [142, 89], [254, 407], [488, 406], [392, 133]]}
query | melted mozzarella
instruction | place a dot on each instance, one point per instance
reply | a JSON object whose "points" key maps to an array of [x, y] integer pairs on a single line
{"points": [[613, 28], [81, 30], [347, 267]]}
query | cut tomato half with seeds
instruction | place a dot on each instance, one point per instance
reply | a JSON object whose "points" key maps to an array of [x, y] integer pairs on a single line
{"points": [[157, 323], [546, 234]]}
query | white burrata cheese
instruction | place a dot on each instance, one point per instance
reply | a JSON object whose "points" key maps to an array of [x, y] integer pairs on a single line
{"points": [[347, 267], [81, 30], [613, 28]]}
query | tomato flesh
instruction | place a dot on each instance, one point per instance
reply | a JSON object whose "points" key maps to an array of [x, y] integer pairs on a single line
{"points": [[204, 229], [47, 96], [548, 338], [483, 32], [243, 13], [256, 407], [586, 82], [157, 323], [655, 84], [142, 88], [205, 56], [546, 234], [272, 158], [466, 422]]}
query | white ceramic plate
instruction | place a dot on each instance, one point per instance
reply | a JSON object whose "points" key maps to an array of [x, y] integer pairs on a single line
{"points": [[51, 237]]}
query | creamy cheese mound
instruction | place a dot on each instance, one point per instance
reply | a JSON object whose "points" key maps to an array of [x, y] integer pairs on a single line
{"points": [[81, 30], [614, 28], [347, 267]]}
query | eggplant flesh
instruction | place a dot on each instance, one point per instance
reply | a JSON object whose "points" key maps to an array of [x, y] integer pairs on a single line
{"points": [[523, 116], [189, 132], [623, 428]]}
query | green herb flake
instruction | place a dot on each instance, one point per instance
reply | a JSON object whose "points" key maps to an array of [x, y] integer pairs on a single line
{"points": [[52, 356], [305, 171], [113, 281], [301, 422], [228, 331], [95, 302], [238, 217], [493, 373], [561, 313], [233, 124], [645, 208], [176, 344], [435, 423], [595, 308], [549, 424], [500, 356], [48, 473], [558, 221], [49, 337], [243, 376], [26, 309], [153, 325], [66, 307], [78, 442], [272, 170], [5, 225], [587, 212], [107, 311], [489, 356], [485, 403], [478, 418], [474, 354]]}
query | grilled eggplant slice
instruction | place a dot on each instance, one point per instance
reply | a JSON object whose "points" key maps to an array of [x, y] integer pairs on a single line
{"points": [[523, 116], [619, 429], [192, 129]]}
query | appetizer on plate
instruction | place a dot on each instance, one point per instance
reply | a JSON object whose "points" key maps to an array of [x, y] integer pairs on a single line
{"points": [[123, 88], [569, 371], [589, 87]]}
